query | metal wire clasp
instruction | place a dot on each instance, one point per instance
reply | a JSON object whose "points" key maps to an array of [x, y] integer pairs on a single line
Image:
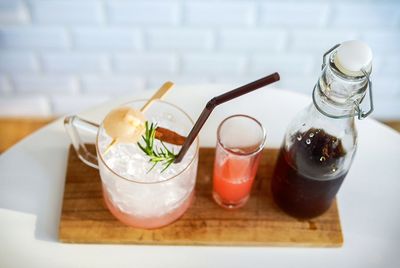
{"points": [[358, 110]]}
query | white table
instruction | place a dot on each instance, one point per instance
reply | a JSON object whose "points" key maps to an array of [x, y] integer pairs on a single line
{"points": [[32, 176]]}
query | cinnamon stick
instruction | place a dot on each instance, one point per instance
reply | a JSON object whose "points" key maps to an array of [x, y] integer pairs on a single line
{"points": [[169, 136]]}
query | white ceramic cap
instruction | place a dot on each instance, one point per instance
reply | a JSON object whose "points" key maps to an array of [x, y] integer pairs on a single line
{"points": [[352, 56]]}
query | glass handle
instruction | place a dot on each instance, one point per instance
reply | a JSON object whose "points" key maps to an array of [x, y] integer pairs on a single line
{"points": [[72, 125]]}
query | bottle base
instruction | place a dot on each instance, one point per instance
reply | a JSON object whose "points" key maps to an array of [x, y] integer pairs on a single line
{"points": [[296, 212]]}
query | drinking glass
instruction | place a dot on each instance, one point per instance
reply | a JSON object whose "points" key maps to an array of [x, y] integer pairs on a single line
{"points": [[134, 195], [240, 141]]}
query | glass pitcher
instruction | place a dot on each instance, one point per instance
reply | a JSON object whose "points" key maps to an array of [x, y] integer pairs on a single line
{"points": [[134, 195], [320, 143]]}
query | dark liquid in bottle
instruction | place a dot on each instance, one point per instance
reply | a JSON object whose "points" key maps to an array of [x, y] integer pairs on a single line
{"points": [[305, 180]]}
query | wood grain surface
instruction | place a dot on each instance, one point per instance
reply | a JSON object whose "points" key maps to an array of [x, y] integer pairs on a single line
{"points": [[13, 129], [85, 219]]}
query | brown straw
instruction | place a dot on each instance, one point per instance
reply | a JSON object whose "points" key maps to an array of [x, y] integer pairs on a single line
{"points": [[214, 102]]}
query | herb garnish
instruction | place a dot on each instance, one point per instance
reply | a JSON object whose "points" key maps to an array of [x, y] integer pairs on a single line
{"points": [[157, 155]]}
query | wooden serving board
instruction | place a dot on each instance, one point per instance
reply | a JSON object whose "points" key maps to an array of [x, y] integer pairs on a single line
{"points": [[85, 218]]}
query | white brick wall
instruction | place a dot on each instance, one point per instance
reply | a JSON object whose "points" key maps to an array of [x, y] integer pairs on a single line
{"points": [[13, 12], [143, 13], [144, 63], [252, 40], [376, 15], [33, 37], [88, 62], [224, 13], [213, 64], [278, 14], [115, 84], [18, 62], [49, 84], [65, 12], [59, 56], [180, 40], [110, 38], [5, 86]]}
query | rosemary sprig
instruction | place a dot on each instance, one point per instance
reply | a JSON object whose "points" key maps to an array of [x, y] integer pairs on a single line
{"points": [[157, 155]]}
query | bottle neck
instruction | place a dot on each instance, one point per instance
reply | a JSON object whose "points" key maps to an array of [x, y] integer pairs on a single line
{"points": [[330, 124], [327, 108], [335, 95]]}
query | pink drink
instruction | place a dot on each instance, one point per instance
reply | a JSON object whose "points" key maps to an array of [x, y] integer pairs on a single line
{"points": [[240, 142], [148, 222], [233, 180], [134, 192]]}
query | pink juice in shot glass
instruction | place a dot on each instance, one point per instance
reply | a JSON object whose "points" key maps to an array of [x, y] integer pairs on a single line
{"points": [[233, 179], [236, 160]]}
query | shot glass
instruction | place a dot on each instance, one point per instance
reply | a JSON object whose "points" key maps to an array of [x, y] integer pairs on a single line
{"points": [[240, 141]]}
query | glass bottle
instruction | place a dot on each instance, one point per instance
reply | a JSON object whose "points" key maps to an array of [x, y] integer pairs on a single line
{"points": [[320, 143]]}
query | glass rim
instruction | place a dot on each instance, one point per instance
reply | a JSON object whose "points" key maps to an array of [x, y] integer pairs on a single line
{"points": [[260, 146], [100, 156]]}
